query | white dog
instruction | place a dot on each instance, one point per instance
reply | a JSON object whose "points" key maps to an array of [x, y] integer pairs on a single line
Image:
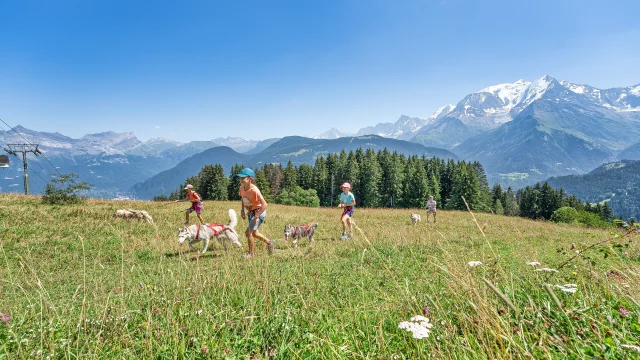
{"points": [[195, 233], [415, 218], [130, 214]]}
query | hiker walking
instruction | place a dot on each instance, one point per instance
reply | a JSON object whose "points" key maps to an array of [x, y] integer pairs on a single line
{"points": [[347, 202], [431, 208], [196, 204], [254, 207]]}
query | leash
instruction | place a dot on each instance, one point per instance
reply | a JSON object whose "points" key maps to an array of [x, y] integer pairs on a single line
{"points": [[320, 217]]}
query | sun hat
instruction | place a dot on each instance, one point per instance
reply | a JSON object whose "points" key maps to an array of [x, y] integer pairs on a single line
{"points": [[246, 172], [189, 186], [346, 185]]}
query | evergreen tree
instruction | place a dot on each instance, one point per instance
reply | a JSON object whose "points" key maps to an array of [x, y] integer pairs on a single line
{"points": [[434, 188], [321, 181], [467, 186], [550, 200], [274, 174], [483, 200], [370, 180], [416, 187], [290, 177], [207, 178], [352, 174], [263, 184], [233, 185], [511, 203], [218, 187], [607, 213], [498, 209], [305, 176], [392, 178]]}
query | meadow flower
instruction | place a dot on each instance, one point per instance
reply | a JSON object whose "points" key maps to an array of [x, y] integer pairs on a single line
{"points": [[533, 263], [198, 312], [474, 263], [426, 311], [569, 288], [4, 318], [546, 269], [623, 311], [419, 326]]}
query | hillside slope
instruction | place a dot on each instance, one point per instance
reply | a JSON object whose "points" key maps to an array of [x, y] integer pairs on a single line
{"points": [[618, 182]]}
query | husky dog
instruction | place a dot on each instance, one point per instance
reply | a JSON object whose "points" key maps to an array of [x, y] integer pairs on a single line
{"points": [[415, 218], [298, 232], [195, 233], [131, 214], [123, 214]]}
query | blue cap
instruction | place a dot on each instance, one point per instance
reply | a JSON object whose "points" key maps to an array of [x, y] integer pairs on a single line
{"points": [[246, 172]]}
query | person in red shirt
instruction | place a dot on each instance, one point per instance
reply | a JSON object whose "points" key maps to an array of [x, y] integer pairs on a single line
{"points": [[196, 204], [254, 207]]}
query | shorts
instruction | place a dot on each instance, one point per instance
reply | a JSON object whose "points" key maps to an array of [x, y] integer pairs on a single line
{"points": [[196, 206], [348, 210], [431, 210], [252, 215]]}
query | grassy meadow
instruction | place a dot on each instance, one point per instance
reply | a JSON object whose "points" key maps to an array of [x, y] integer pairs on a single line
{"points": [[77, 283]]}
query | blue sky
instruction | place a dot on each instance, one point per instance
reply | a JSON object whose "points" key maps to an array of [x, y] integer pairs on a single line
{"points": [[258, 69]]}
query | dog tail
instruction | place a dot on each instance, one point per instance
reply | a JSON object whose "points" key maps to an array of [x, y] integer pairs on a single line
{"points": [[233, 219]]}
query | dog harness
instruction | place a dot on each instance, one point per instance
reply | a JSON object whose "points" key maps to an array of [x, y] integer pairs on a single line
{"points": [[305, 228], [211, 226]]}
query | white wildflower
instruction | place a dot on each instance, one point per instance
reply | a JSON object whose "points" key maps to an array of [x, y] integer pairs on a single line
{"points": [[635, 348], [474, 263], [569, 288], [546, 269], [198, 312], [419, 326], [533, 263]]}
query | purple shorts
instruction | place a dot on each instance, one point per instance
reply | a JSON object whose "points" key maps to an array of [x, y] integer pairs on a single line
{"points": [[196, 206]]}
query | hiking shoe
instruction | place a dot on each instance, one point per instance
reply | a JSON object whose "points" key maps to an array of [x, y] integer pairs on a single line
{"points": [[350, 236], [270, 246], [247, 256], [344, 236]]}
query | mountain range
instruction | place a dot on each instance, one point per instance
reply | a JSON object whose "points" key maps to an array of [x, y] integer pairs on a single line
{"points": [[525, 132], [522, 133]]}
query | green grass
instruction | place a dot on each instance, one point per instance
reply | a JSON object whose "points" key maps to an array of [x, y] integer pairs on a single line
{"points": [[79, 284]]}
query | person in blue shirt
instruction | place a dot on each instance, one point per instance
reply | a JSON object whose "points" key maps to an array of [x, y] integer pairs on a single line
{"points": [[347, 202]]}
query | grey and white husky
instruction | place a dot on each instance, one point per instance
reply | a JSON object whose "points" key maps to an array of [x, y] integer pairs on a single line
{"points": [[206, 232], [298, 232]]}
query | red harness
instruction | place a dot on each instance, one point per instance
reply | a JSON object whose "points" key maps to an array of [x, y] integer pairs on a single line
{"points": [[211, 226]]}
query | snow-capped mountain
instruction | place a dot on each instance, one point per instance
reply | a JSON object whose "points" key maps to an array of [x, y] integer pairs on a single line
{"points": [[402, 126], [558, 128], [496, 105], [333, 133]]}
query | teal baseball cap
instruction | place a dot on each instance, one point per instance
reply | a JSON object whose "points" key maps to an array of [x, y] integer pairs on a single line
{"points": [[246, 172]]}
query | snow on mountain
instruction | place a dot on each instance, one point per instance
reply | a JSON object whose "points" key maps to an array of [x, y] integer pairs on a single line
{"points": [[404, 126], [236, 143], [440, 112], [333, 133]]}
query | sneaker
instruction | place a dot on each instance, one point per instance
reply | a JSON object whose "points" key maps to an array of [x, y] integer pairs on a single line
{"points": [[247, 256], [350, 236], [270, 246], [344, 236]]}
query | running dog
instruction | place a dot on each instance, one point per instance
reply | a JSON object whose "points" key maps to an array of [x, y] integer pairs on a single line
{"points": [[298, 232], [415, 218], [195, 233], [131, 214]]}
